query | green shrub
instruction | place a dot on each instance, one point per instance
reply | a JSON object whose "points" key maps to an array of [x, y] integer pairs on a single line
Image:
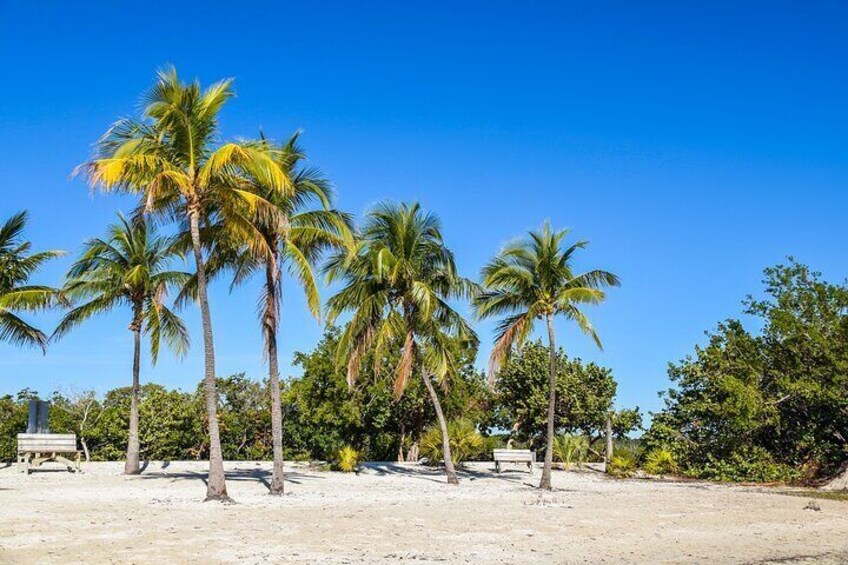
{"points": [[571, 449], [660, 462], [347, 459], [465, 442], [749, 465], [623, 462]]}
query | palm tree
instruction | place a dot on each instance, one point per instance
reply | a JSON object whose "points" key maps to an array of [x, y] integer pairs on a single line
{"points": [[294, 240], [533, 279], [130, 268], [171, 158], [17, 265], [397, 285]]}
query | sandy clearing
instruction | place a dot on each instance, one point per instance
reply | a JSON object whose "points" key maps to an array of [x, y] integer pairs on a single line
{"points": [[393, 513]]}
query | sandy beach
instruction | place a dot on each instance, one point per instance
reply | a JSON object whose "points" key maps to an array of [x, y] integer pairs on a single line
{"points": [[390, 513]]}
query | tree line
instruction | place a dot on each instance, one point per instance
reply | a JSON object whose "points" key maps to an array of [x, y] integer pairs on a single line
{"points": [[322, 414]]}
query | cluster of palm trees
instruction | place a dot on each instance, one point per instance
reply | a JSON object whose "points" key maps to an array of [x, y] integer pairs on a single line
{"points": [[253, 207]]}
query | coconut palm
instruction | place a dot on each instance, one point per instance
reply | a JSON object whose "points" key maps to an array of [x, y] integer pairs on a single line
{"points": [[171, 157], [128, 269], [17, 265], [533, 279], [396, 286], [292, 241]]}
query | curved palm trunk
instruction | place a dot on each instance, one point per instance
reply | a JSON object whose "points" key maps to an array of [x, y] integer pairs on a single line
{"points": [[446, 452], [271, 323], [131, 467], [216, 487], [549, 448]]}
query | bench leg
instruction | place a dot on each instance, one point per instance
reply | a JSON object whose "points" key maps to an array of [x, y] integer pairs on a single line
{"points": [[530, 466], [497, 467]]}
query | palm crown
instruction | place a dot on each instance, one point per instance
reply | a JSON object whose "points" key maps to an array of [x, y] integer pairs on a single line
{"points": [[173, 158], [397, 285], [129, 269], [17, 266], [301, 228], [532, 279]]}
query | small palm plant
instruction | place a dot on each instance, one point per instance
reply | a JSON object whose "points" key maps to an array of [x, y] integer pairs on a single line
{"points": [[128, 269], [533, 279], [465, 441], [571, 449], [397, 285], [17, 266], [348, 459]]}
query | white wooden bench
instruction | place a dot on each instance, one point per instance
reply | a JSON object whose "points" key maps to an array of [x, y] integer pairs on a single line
{"points": [[35, 449], [524, 456]]}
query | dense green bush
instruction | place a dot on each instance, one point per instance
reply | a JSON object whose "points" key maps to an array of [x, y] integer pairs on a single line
{"points": [[769, 406]]}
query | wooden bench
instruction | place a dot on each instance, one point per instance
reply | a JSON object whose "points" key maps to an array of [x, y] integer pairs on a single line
{"points": [[524, 456], [35, 449]]}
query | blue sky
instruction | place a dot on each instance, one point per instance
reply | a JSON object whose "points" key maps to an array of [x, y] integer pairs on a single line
{"points": [[692, 145]]}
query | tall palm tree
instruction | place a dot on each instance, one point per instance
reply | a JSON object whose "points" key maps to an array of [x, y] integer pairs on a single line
{"points": [[17, 265], [130, 268], [533, 279], [294, 240], [170, 156], [397, 285]]}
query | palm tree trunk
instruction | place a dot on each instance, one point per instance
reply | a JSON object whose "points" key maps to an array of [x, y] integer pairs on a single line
{"points": [[216, 486], [131, 467], [549, 448], [271, 323], [446, 452]]}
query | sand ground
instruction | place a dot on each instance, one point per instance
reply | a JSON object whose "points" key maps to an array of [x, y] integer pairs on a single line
{"points": [[390, 513]]}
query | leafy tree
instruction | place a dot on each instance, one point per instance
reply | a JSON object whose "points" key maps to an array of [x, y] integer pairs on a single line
{"points": [[584, 396], [17, 266], [13, 420], [169, 156], [170, 424], [128, 269], [244, 414], [533, 279], [766, 406], [397, 285]]}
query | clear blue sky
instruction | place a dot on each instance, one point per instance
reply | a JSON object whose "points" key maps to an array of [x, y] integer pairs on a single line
{"points": [[692, 146]]}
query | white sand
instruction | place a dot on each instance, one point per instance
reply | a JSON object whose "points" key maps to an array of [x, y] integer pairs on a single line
{"points": [[402, 514]]}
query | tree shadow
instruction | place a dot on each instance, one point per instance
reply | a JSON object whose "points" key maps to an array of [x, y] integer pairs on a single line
{"points": [[258, 475], [437, 473]]}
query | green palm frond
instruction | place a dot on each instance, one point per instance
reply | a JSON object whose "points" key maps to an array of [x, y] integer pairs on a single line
{"points": [[130, 269], [17, 266]]}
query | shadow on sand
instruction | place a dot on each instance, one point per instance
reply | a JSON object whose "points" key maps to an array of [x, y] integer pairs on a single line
{"points": [[259, 475], [437, 474]]}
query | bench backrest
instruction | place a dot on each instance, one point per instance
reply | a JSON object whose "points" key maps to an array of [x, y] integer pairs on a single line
{"points": [[46, 443], [513, 455]]}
